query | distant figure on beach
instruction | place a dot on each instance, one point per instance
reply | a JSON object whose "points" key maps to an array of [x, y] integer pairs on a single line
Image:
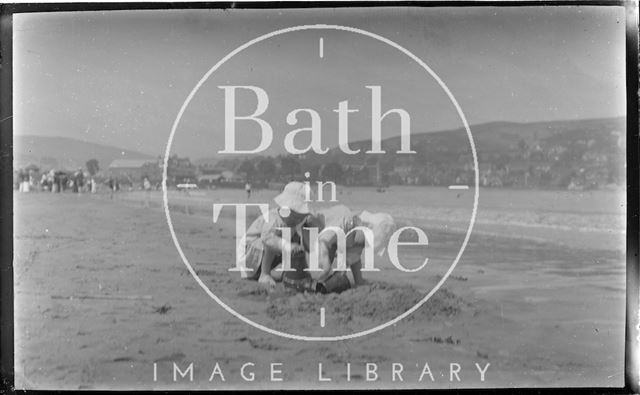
{"points": [[51, 180], [31, 180], [60, 181], [247, 188], [43, 182], [78, 181], [55, 186], [114, 186], [24, 181], [147, 191]]}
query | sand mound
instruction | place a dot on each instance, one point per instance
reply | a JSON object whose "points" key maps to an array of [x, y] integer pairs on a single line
{"points": [[378, 301]]}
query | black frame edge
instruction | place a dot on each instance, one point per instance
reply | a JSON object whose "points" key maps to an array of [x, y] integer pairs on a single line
{"points": [[6, 201], [632, 336], [632, 325]]}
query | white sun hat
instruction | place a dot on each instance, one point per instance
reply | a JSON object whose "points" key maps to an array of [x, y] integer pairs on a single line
{"points": [[293, 197]]}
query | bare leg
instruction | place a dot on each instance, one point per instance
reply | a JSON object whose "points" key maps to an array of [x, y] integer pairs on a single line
{"points": [[265, 268], [277, 274], [356, 270]]}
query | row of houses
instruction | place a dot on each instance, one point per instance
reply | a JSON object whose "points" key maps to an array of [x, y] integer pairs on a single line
{"points": [[179, 170]]}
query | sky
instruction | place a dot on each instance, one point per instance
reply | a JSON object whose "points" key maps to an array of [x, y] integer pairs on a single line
{"points": [[120, 77]]}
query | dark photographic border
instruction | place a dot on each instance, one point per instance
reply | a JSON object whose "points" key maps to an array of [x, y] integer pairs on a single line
{"points": [[632, 332]]}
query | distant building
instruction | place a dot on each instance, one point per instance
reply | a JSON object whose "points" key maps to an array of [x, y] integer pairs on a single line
{"points": [[209, 178], [180, 170], [132, 170], [208, 167], [230, 176]]}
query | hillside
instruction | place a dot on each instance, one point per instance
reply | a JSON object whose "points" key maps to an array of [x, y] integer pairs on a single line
{"points": [[557, 154], [65, 153], [495, 137]]}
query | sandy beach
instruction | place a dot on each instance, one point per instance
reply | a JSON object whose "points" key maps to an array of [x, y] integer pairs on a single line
{"points": [[103, 298]]}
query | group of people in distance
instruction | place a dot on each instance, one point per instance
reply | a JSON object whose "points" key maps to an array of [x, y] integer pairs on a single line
{"points": [[266, 241]]}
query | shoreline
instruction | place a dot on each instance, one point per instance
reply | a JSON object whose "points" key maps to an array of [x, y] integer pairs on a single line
{"points": [[489, 222]]}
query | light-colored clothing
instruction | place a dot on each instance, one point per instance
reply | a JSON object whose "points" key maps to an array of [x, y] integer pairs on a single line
{"points": [[342, 217], [263, 234]]}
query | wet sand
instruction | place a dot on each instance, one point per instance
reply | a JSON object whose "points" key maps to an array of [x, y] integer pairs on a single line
{"points": [[541, 314]]}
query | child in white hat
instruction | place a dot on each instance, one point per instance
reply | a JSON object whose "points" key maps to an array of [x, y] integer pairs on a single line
{"points": [[264, 241]]}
